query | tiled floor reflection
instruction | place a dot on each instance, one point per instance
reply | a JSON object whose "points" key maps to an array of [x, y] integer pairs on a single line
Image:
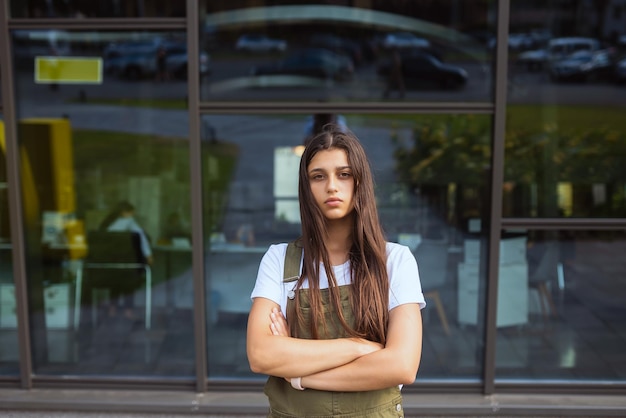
{"points": [[584, 338]]}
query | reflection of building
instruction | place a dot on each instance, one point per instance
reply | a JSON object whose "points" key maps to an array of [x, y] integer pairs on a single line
{"points": [[473, 185]]}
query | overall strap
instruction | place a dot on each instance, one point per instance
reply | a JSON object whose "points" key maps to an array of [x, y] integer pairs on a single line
{"points": [[292, 261]]}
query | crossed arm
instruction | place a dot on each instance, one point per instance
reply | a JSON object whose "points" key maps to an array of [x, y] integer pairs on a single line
{"points": [[343, 364]]}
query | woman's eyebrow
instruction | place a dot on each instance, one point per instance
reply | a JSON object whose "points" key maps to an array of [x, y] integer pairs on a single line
{"points": [[323, 170]]}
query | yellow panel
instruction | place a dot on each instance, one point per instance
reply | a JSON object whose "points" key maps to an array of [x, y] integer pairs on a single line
{"points": [[29, 190], [49, 145], [68, 70]]}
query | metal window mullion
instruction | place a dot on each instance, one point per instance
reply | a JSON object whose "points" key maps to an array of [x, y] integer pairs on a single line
{"points": [[348, 107], [495, 212], [195, 167], [590, 224], [15, 201], [99, 24]]}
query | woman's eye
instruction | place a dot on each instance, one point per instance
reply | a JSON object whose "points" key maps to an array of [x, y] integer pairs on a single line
{"points": [[345, 175]]}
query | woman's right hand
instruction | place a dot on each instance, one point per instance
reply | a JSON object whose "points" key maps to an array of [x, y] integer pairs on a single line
{"points": [[279, 324]]}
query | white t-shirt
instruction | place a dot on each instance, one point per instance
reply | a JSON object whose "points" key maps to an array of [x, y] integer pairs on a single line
{"points": [[404, 281]]}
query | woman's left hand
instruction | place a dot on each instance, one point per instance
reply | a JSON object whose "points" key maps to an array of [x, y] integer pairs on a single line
{"points": [[279, 324]]}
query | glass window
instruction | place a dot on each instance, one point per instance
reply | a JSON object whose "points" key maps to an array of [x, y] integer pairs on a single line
{"points": [[566, 137], [104, 8], [106, 204], [431, 190], [378, 50], [9, 350], [569, 286], [128, 63]]}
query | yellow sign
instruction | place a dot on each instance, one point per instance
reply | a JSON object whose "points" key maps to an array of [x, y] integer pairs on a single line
{"points": [[66, 70]]}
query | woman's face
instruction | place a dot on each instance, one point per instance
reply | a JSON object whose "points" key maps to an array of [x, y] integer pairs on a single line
{"points": [[332, 183]]}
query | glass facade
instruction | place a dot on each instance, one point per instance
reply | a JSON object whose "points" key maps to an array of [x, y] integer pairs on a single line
{"points": [[115, 173], [565, 135], [308, 51], [158, 150]]}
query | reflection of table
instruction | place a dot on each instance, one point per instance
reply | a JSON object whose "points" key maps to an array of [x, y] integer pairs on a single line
{"points": [[230, 273], [166, 254]]}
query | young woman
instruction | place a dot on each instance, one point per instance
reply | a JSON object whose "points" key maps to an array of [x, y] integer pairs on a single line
{"points": [[342, 337]]}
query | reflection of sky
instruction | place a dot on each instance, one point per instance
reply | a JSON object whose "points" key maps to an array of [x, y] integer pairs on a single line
{"points": [[328, 14]]}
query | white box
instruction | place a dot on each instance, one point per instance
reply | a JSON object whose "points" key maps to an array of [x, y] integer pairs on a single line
{"points": [[57, 305], [512, 294], [8, 306], [471, 251], [512, 250]]}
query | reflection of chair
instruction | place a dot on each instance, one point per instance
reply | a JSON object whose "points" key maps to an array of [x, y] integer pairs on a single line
{"points": [[545, 257], [114, 259], [432, 260]]}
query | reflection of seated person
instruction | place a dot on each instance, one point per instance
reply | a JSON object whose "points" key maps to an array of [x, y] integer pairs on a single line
{"points": [[122, 220]]}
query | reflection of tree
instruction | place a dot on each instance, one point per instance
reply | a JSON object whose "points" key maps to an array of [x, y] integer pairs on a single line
{"points": [[447, 150], [219, 161], [445, 164], [105, 161], [544, 158]]}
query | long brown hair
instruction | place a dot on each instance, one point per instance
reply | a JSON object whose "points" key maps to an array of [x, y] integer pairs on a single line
{"points": [[369, 292]]}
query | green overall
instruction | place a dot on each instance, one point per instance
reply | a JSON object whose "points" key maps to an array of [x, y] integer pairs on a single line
{"points": [[287, 402]]}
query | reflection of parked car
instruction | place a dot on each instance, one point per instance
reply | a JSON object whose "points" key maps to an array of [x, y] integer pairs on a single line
{"points": [[339, 45], [260, 43], [421, 69], [557, 49], [404, 40], [560, 48], [534, 59], [521, 41], [582, 66], [136, 60], [116, 49], [311, 62]]}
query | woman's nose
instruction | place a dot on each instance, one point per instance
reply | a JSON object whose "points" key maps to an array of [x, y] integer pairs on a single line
{"points": [[332, 185]]}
